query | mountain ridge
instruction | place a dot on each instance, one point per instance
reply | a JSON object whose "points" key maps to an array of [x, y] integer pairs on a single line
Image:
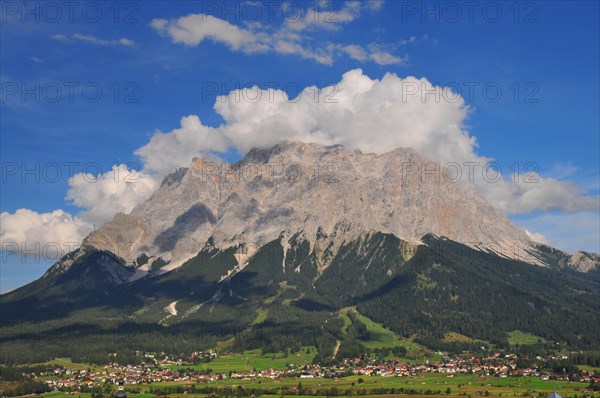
{"points": [[424, 290], [311, 178]]}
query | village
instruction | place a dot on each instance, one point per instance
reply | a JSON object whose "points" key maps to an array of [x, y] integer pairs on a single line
{"points": [[161, 368]]}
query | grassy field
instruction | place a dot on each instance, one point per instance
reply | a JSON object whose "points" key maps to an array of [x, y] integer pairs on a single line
{"points": [[461, 338], [346, 319], [261, 316], [68, 364], [256, 360], [381, 337], [459, 385], [516, 337]]}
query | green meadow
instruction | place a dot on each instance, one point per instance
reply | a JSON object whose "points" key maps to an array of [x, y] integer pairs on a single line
{"points": [[426, 384], [254, 359], [516, 337], [381, 337]]}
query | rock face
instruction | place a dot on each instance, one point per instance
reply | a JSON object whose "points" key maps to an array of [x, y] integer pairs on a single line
{"points": [[323, 192], [584, 262]]}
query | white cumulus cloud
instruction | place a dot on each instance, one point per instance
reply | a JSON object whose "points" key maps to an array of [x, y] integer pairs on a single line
{"points": [[101, 197], [167, 151], [41, 234], [118, 190]]}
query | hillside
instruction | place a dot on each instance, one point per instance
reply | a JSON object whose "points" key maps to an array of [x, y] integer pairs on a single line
{"points": [[275, 303]]}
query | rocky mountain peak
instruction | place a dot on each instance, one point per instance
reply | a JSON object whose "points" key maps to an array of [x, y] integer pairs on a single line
{"points": [[318, 190]]}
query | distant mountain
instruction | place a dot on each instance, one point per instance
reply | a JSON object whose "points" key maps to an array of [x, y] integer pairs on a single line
{"points": [[267, 251]]}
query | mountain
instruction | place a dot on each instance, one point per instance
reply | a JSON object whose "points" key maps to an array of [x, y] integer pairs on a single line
{"points": [[311, 188], [268, 251]]}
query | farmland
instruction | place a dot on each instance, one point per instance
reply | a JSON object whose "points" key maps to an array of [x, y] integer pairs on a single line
{"points": [[428, 384]]}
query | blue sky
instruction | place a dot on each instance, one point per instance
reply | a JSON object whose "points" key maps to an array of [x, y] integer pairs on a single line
{"points": [[152, 68]]}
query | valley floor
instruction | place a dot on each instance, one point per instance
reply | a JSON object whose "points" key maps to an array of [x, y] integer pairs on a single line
{"points": [[419, 386]]}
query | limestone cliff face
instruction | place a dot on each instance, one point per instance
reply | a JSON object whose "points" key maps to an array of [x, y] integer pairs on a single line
{"points": [[584, 262], [325, 193]]}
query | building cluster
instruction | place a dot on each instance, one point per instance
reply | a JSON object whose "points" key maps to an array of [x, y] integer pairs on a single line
{"points": [[494, 365], [163, 368]]}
